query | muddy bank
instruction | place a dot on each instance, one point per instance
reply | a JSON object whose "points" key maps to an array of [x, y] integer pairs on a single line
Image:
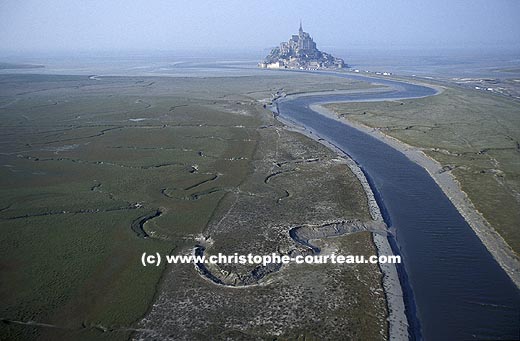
{"points": [[397, 318], [305, 234], [301, 236], [232, 279], [138, 224]]}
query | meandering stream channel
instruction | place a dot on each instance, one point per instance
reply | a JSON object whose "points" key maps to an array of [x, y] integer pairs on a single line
{"points": [[454, 288]]}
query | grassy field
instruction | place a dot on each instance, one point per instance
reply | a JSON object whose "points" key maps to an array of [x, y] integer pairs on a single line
{"points": [[83, 161], [472, 134]]}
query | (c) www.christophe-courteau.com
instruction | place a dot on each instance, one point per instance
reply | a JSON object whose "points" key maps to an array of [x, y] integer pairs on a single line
{"points": [[274, 258]]}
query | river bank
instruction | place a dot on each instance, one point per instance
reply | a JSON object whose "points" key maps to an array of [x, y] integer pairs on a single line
{"points": [[453, 286], [495, 244], [397, 319]]}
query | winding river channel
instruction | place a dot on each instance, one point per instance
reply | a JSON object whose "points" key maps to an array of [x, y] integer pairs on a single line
{"points": [[454, 289]]}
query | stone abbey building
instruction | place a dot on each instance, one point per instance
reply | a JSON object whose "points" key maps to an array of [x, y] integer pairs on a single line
{"points": [[300, 52]]}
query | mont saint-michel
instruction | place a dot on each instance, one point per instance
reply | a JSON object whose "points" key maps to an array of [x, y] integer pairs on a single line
{"points": [[300, 52], [157, 184]]}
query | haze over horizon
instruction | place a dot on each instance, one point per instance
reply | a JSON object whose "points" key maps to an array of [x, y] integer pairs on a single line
{"points": [[72, 26]]}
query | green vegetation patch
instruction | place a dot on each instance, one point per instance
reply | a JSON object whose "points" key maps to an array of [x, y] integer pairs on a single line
{"points": [[90, 167], [475, 134]]}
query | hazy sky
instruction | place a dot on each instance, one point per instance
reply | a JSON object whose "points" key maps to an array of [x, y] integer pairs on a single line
{"points": [[62, 25]]}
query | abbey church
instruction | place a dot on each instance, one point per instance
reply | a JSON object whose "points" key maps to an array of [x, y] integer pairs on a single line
{"points": [[300, 52]]}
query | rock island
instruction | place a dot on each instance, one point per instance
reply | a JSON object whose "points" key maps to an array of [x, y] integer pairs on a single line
{"points": [[300, 52]]}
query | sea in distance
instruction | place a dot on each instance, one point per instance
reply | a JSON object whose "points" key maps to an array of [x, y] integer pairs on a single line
{"points": [[443, 64]]}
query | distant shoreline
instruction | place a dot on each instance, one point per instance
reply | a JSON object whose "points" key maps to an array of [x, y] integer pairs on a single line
{"points": [[14, 66]]}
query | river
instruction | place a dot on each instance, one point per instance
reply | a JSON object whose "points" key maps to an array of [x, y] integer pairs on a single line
{"points": [[454, 288]]}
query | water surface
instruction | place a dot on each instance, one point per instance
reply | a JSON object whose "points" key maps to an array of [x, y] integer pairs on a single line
{"points": [[455, 290]]}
